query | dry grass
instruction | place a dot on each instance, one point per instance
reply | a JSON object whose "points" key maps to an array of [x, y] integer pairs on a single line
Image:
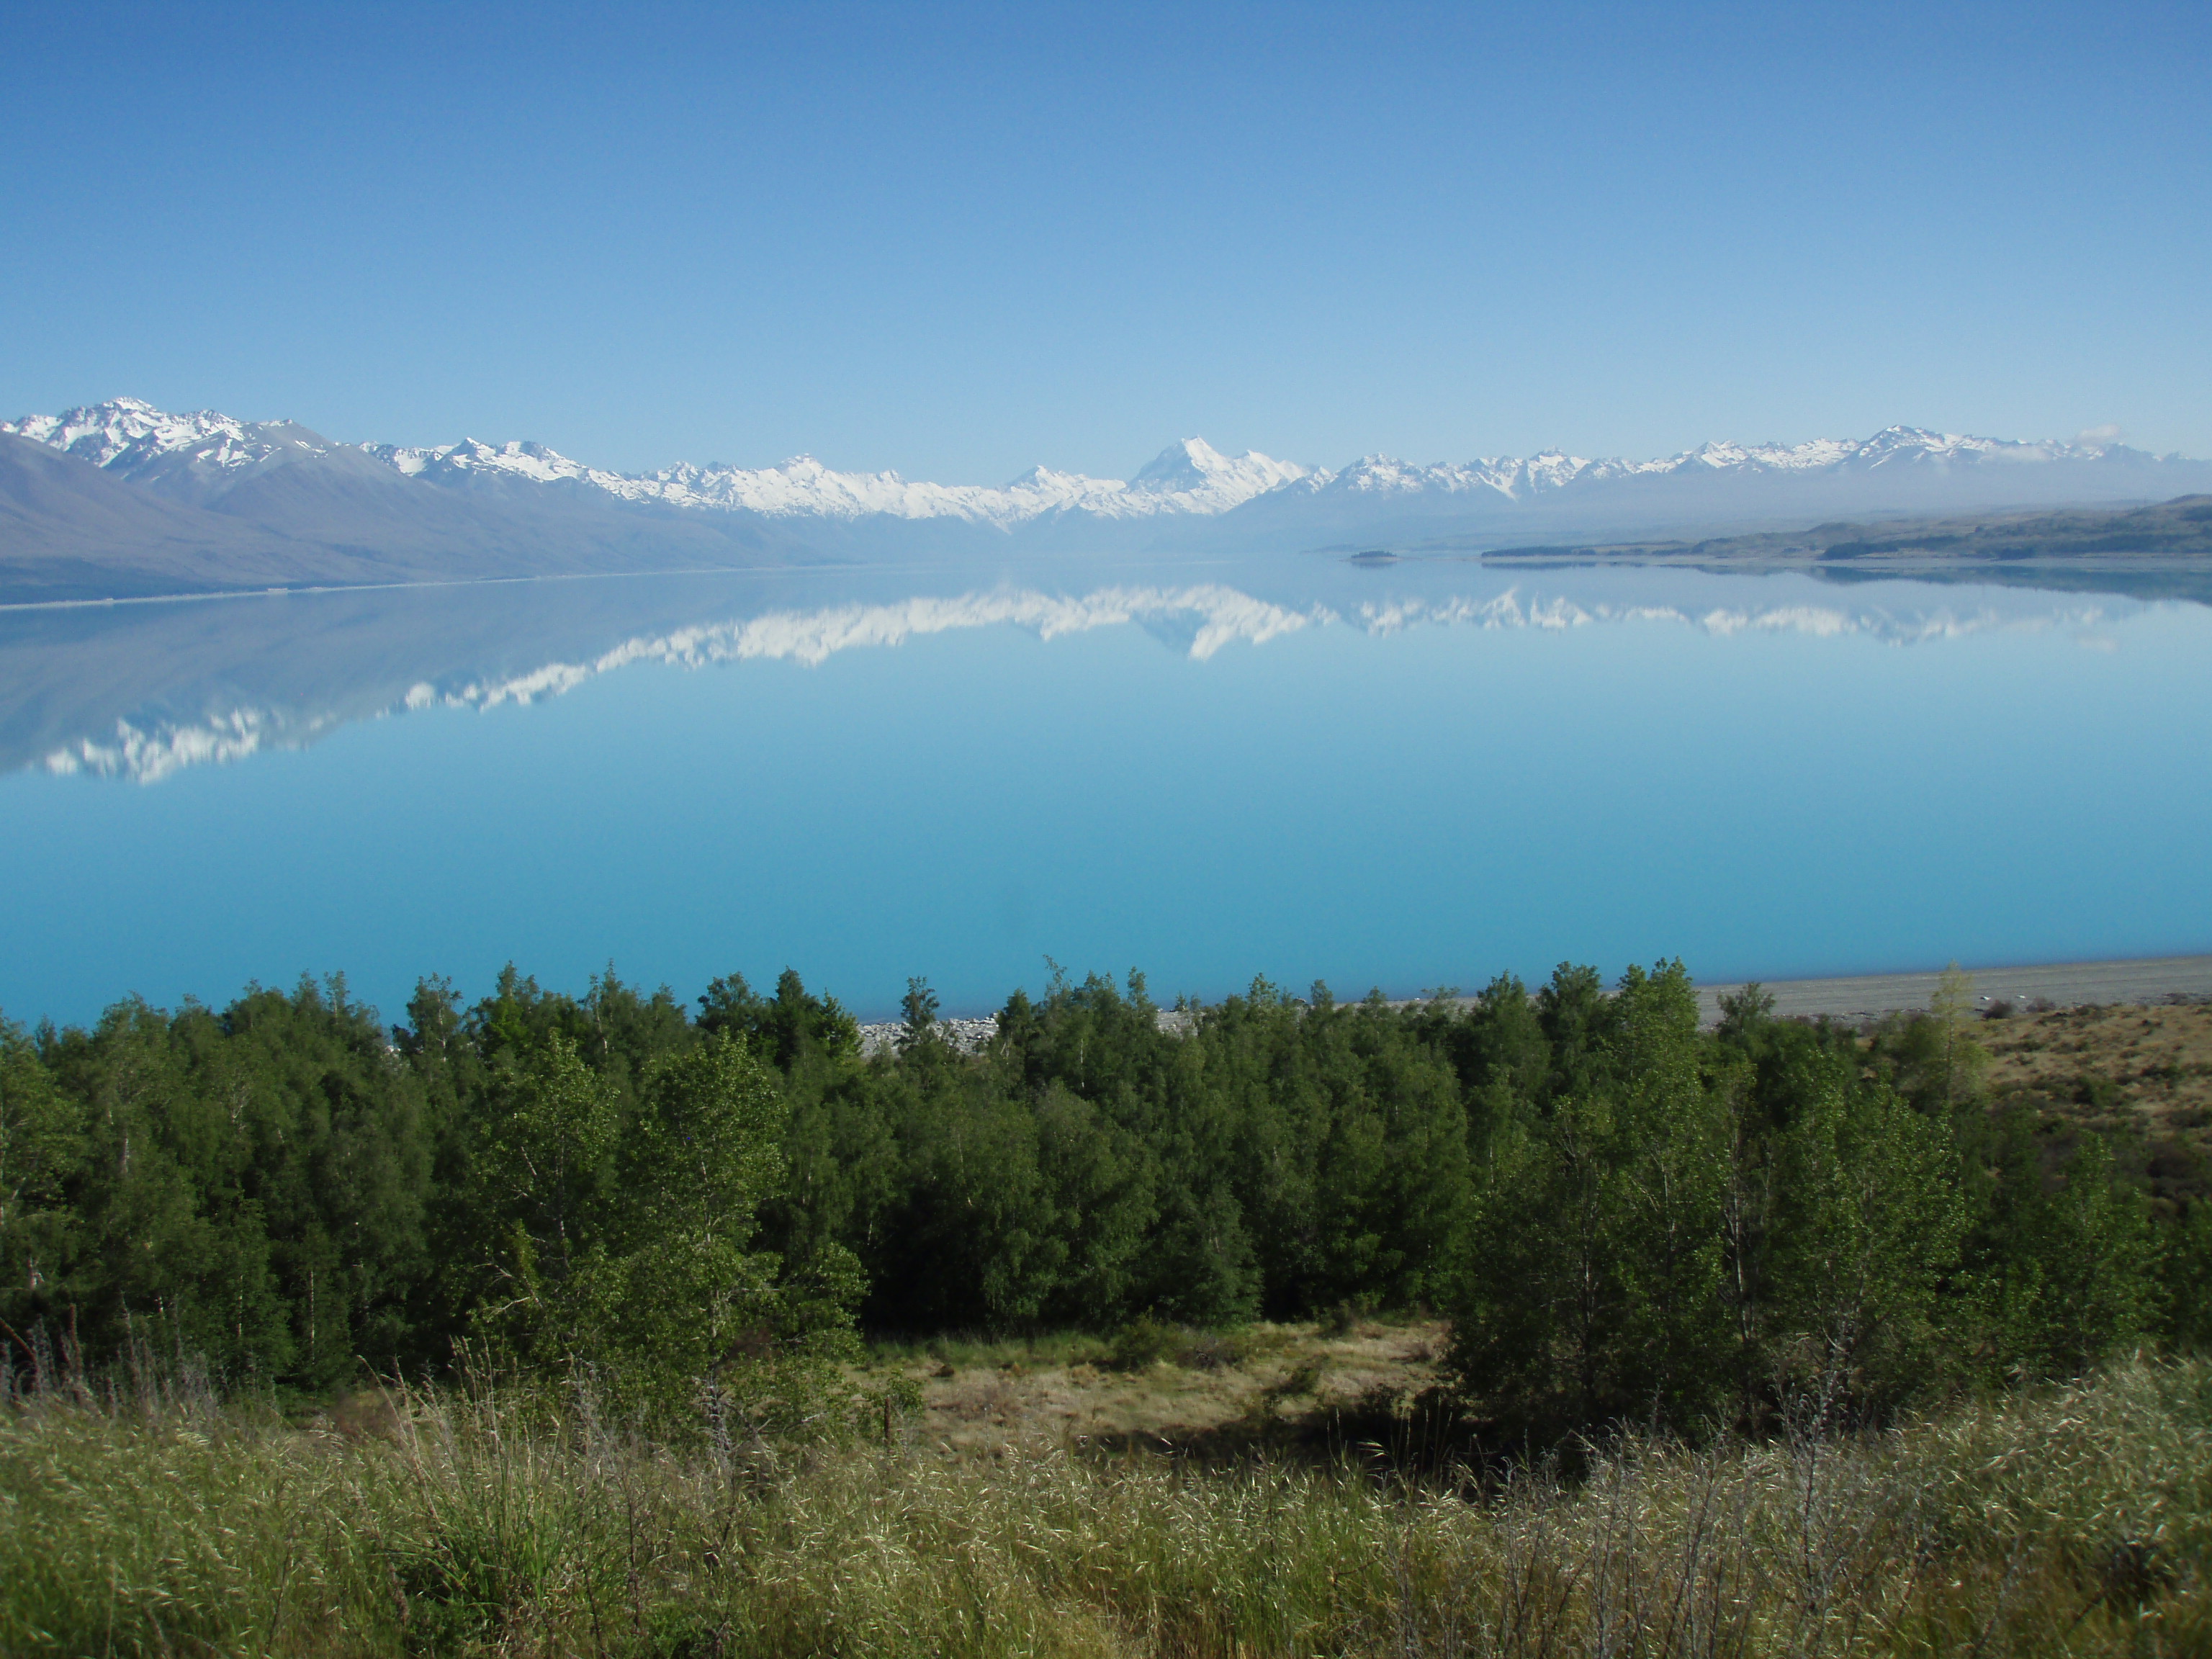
{"points": [[2144, 1072], [2073, 1521], [1261, 1385]]}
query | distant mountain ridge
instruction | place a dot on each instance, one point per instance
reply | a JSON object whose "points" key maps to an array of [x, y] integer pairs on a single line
{"points": [[1190, 477], [371, 512]]}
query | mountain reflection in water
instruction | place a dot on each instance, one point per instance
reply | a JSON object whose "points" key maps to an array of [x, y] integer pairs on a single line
{"points": [[1407, 776], [139, 691]]}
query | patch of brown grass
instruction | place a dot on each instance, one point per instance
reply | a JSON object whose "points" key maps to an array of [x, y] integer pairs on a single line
{"points": [[2144, 1073], [1266, 1383]]}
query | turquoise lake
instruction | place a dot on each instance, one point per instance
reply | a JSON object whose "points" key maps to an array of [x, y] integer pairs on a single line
{"points": [[1407, 777]]}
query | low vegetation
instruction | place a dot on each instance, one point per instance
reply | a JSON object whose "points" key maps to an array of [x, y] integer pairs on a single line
{"points": [[2058, 1519], [2140, 1076], [1218, 1395], [1535, 1322]]}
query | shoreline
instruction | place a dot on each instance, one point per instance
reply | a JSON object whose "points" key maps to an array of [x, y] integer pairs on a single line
{"points": [[2064, 984], [1851, 997]]}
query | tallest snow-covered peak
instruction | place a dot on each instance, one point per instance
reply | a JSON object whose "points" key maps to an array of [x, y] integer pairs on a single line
{"points": [[1194, 468], [1190, 465]]}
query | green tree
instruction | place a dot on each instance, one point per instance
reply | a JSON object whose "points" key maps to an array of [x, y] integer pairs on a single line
{"points": [[1866, 1235], [542, 1197], [1932, 1058], [1665, 1226], [1593, 1289], [172, 1248], [2185, 1275], [782, 1030], [42, 1151], [917, 1010], [1100, 1182], [975, 1241], [680, 1294], [2062, 1259], [337, 1153]]}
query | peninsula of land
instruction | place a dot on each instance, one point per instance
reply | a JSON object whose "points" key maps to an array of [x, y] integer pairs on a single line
{"points": [[2143, 980], [2162, 550]]}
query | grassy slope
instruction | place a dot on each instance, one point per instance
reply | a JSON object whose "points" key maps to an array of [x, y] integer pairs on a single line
{"points": [[2143, 1073], [2070, 1521]]}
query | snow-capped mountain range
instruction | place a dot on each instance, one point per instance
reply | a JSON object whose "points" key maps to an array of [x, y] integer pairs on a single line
{"points": [[1190, 477], [187, 454], [199, 454], [202, 453], [381, 510]]}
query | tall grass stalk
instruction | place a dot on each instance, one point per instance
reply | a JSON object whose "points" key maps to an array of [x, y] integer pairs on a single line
{"points": [[2071, 1521]]}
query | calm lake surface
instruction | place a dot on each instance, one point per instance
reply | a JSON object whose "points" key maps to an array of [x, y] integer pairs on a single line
{"points": [[1405, 777]]}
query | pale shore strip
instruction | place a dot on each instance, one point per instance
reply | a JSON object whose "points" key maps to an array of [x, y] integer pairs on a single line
{"points": [[2067, 984]]}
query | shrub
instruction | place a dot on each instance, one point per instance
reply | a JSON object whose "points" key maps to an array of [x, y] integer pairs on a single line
{"points": [[1143, 1343]]}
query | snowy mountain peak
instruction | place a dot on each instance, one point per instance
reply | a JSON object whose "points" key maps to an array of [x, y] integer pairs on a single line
{"points": [[1190, 477], [1194, 468], [191, 457], [200, 456], [125, 432], [1190, 465]]}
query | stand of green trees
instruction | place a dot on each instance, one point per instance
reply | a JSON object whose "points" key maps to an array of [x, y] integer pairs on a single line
{"points": [[1625, 1218]]}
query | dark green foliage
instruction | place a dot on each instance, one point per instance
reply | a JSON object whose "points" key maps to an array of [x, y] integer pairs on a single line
{"points": [[919, 1008], [250, 1187], [1090, 1167], [1698, 1230], [2185, 1266], [42, 1157], [2061, 1257], [782, 1030], [280, 1193], [1627, 1218], [1595, 1288]]}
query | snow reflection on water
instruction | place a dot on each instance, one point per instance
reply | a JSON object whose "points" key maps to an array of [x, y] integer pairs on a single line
{"points": [[347, 675]]}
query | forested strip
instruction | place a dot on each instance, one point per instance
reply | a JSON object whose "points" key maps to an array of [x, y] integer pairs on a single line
{"points": [[1624, 1216]]}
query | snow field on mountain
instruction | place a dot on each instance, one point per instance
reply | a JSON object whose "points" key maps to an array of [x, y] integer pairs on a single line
{"points": [[131, 438]]}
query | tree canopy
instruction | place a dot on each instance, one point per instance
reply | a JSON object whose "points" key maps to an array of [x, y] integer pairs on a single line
{"points": [[1626, 1217]]}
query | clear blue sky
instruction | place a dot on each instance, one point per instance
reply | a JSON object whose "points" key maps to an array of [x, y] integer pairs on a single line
{"points": [[958, 240]]}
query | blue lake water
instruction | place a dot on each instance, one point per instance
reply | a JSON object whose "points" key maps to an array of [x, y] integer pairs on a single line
{"points": [[1408, 777]]}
